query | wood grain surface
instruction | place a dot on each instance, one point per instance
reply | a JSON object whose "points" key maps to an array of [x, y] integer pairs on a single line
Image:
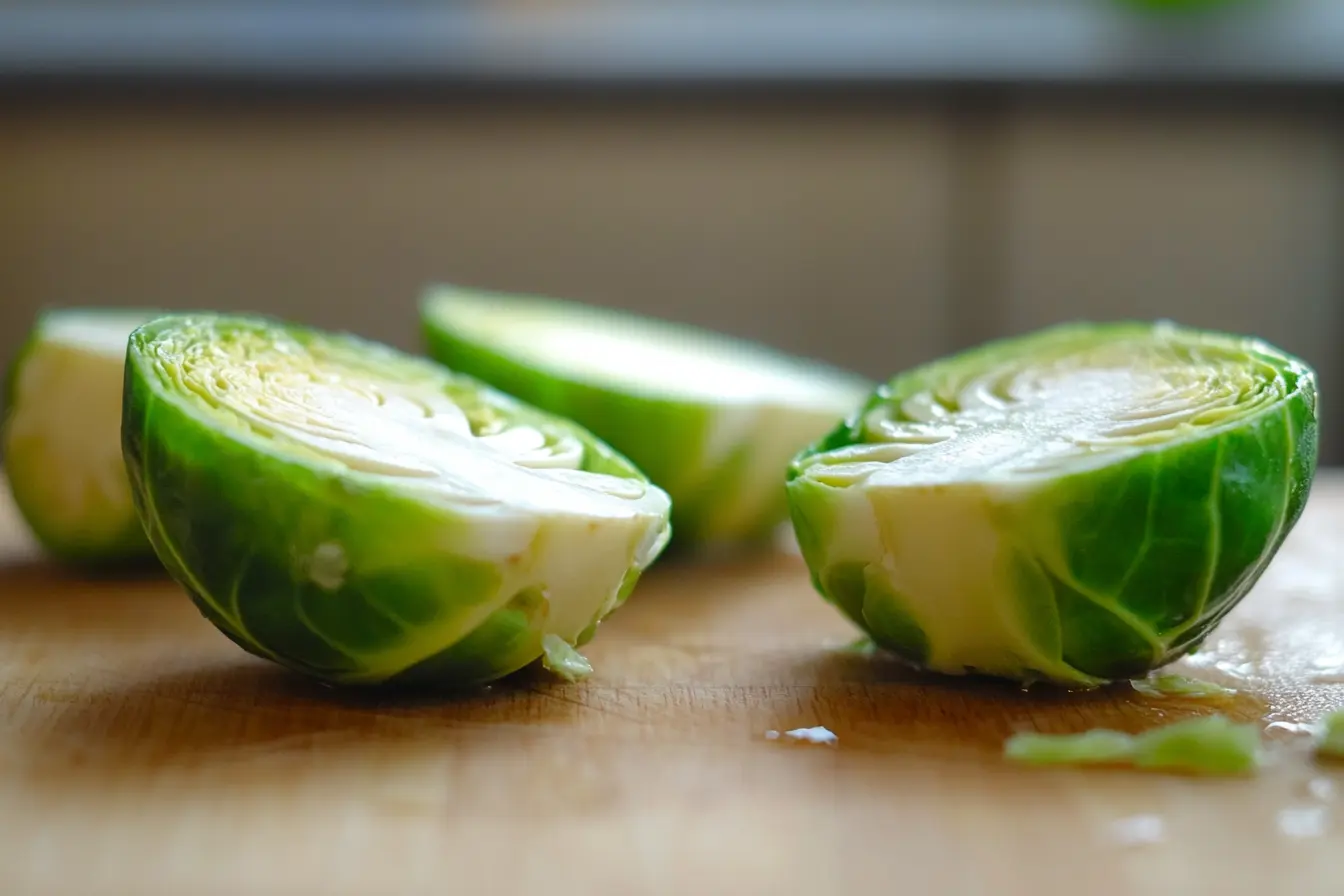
{"points": [[142, 753]]}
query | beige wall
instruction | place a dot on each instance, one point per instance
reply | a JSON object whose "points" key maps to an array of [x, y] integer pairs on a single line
{"points": [[777, 225], [1227, 220], [874, 232]]}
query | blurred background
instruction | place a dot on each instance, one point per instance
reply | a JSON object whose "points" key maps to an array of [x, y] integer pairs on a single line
{"points": [[870, 184]]}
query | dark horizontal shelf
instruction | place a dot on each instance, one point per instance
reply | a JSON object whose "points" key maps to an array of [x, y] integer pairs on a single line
{"points": [[1053, 41]]}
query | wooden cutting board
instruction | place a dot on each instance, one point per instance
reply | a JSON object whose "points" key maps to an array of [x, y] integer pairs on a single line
{"points": [[142, 753]]}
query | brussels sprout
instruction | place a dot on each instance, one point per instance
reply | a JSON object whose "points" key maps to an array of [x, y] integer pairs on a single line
{"points": [[712, 419], [1212, 745], [366, 517], [1077, 505], [62, 437]]}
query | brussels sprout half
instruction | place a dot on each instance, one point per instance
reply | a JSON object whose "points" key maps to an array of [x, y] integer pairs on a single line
{"points": [[363, 516], [62, 437], [1077, 505], [712, 419]]}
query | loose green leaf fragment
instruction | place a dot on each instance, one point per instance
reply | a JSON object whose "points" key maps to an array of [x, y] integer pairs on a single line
{"points": [[365, 517], [560, 657], [61, 436], [862, 646], [1179, 686], [1097, 747], [1212, 745], [1330, 741], [712, 419], [1078, 505]]}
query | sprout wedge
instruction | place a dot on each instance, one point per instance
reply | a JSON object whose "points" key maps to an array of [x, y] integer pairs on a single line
{"points": [[366, 517], [1077, 505], [712, 419], [62, 437]]}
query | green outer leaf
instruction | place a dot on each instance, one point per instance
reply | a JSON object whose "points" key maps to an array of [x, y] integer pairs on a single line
{"points": [[240, 520], [1140, 557], [109, 533], [663, 436]]}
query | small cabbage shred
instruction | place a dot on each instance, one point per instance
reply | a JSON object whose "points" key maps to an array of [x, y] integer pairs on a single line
{"points": [[561, 658], [1168, 685], [1097, 747], [1330, 742], [1211, 745], [864, 646]]}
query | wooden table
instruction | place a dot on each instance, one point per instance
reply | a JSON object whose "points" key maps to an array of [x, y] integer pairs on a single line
{"points": [[143, 754]]}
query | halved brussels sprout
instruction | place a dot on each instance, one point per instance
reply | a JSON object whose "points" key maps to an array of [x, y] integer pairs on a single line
{"points": [[62, 437], [365, 517], [1078, 505], [711, 419]]}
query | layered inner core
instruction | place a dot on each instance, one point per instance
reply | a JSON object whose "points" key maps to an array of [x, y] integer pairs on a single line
{"points": [[381, 415], [1063, 407]]}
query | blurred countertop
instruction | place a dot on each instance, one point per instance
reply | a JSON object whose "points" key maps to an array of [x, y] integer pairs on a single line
{"points": [[916, 41]]}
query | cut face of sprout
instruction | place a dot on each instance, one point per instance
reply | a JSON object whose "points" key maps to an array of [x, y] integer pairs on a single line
{"points": [[1075, 407], [328, 401]]}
